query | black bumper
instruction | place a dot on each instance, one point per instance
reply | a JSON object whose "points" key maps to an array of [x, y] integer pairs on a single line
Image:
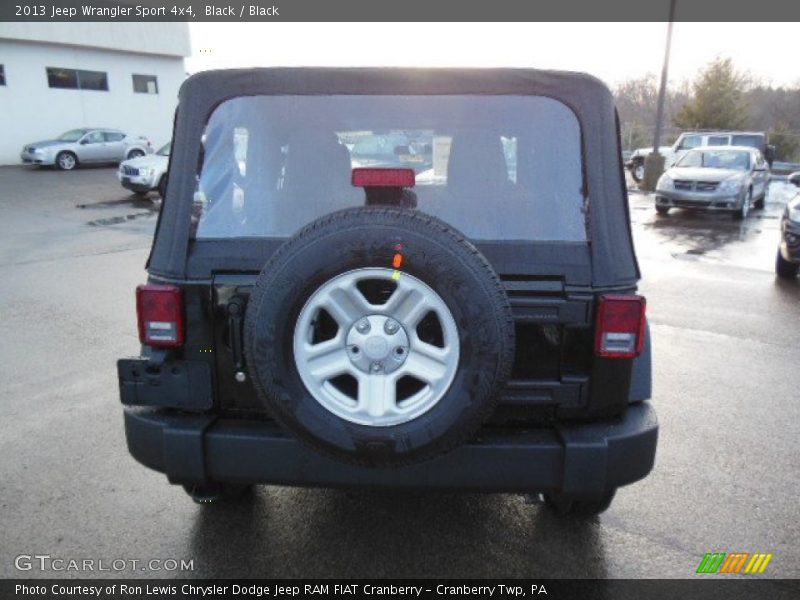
{"points": [[579, 458]]}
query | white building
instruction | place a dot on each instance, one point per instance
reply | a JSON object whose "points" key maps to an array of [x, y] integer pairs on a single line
{"points": [[60, 76]]}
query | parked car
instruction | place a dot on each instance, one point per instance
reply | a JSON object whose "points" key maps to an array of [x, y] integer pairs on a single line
{"points": [[787, 262], [689, 140], [147, 173], [635, 161], [301, 327], [84, 146], [731, 179]]}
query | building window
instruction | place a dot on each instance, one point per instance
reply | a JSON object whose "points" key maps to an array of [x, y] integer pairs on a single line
{"points": [[145, 84], [77, 79], [2, 74], [93, 80]]}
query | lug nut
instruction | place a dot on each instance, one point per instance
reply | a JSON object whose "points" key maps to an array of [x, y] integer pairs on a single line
{"points": [[354, 349], [362, 326], [391, 326], [399, 351]]}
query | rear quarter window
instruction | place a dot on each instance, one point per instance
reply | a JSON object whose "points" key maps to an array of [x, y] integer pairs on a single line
{"points": [[494, 167]]}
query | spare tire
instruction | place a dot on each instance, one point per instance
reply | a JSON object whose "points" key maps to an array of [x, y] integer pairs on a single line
{"points": [[380, 336]]}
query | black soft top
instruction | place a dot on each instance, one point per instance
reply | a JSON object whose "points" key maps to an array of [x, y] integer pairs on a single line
{"points": [[611, 261]]}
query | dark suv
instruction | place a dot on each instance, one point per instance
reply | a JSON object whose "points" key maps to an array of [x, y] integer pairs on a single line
{"points": [[471, 323]]}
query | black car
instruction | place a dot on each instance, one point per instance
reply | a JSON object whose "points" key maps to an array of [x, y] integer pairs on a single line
{"points": [[309, 320], [787, 262]]}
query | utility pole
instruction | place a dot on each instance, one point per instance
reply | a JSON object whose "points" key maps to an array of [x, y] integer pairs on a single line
{"points": [[654, 162]]}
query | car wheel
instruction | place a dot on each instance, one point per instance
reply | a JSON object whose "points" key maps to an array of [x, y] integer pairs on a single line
{"points": [[662, 210], [387, 351], [741, 213], [566, 505], [637, 171], [785, 269], [136, 153], [162, 187], [209, 493], [66, 161]]}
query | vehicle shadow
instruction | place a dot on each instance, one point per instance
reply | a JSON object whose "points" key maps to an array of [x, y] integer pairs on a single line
{"points": [[788, 288], [286, 532]]}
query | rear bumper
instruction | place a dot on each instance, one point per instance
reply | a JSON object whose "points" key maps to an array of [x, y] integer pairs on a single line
{"points": [[578, 458]]}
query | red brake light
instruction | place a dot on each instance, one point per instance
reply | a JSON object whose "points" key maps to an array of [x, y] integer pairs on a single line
{"points": [[159, 309], [620, 326], [368, 177]]}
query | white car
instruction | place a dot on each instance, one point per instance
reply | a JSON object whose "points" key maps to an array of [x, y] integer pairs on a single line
{"points": [[688, 140], [83, 146], [145, 174]]}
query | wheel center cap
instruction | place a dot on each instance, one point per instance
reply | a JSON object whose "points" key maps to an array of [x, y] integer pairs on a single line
{"points": [[377, 344], [376, 347]]}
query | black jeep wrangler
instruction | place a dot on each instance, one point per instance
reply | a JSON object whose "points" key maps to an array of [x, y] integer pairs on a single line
{"points": [[465, 321]]}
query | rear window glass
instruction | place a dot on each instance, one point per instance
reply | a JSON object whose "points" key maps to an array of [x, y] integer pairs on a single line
{"points": [[495, 167]]}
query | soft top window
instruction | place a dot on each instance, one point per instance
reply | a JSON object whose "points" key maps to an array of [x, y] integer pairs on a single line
{"points": [[495, 167]]}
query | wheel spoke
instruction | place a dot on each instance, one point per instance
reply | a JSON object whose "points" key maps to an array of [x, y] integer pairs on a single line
{"points": [[377, 395], [408, 305], [425, 361], [326, 360], [345, 304]]}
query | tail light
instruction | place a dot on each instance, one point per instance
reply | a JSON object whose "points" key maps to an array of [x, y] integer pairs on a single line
{"points": [[620, 326], [159, 309]]}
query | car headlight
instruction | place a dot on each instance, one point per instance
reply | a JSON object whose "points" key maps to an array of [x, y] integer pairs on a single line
{"points": [[664, 183], [730, 185], [793, 214]]}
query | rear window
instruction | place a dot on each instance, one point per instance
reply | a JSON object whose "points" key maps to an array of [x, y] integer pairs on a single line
{"points": [[495, 167]]}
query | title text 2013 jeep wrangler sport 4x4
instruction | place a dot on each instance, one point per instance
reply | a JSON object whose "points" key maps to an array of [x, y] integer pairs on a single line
{"points": [[452, 306]]}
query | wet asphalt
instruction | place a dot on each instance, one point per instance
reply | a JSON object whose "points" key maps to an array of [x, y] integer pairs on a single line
{"points": [[725, 343]]}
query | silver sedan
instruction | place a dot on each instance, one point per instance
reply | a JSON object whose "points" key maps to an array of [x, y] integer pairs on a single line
{"points": [[85, 145], [731, 179]]}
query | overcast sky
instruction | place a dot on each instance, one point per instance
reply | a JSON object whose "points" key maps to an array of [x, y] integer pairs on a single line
{"points": [[610, 51]]}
